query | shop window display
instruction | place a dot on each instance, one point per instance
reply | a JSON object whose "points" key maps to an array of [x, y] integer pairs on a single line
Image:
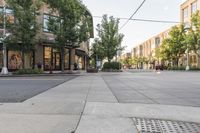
{"points": [[14, 60]]}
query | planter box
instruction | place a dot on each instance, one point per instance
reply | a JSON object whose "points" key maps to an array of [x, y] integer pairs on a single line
{"points": [[92, 70]]}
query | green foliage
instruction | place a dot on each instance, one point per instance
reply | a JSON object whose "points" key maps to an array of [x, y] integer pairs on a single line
{"points": [[176, 68], [183, 68], [109, 37], [193, 36], [25, 28], [112, 65], [128, 61], [29, 71], [71, 26], [194, 68], [97, 51], [174, 46]]}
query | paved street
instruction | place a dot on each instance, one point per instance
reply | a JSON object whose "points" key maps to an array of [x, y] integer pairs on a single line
{"points": [[172, 88], [107, 103], [18, 89]]}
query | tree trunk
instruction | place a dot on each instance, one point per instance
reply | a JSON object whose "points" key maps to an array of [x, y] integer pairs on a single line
{"points": [[62, 51]]}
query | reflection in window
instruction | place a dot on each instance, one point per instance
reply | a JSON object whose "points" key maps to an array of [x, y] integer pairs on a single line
{"points": [[185, 14], [46, 21], [9, 16], [194, 7], [14, 60]]}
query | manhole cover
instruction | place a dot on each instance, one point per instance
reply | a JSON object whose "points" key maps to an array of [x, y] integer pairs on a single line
{"points": [[164, 126]]}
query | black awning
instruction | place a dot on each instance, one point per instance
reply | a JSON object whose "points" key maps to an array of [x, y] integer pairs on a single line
{"points": [[82, 53]]}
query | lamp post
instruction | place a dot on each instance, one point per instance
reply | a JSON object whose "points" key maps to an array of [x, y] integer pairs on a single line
{"points": [[4, 70], [187, 54], [187, 27]]}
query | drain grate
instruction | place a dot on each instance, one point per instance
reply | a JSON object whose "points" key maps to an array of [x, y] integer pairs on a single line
{"points": [[164, 126]]}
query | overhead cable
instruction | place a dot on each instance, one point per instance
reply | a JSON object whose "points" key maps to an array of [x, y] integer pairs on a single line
{"points": [[132, 15]]}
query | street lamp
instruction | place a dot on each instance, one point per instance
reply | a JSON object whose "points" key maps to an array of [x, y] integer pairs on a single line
{"points": [[4, 70], [187, 27]]}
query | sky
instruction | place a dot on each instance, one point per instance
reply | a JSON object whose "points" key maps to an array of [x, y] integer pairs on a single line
{"points": [[136, 32]]}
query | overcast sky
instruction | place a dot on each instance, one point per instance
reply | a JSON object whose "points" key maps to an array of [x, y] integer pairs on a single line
{"points": [[137, 32]]}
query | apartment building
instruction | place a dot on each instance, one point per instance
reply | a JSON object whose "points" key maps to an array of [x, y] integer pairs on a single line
{"points": [[186, 10], [45, 54], [147, 50]]}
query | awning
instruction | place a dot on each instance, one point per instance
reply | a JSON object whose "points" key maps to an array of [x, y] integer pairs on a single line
{"points": [[82, 53]]}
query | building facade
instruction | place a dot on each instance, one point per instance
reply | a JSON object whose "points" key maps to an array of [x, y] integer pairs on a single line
{"points": [[187, 9], [45, 55], [147, 49]]}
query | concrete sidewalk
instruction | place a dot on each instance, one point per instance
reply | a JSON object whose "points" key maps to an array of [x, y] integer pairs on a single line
{"points": [[84, 105]]}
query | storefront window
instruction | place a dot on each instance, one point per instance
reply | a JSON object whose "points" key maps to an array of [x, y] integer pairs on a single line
{"points": [[80, 61], [14, 60], [47, 57]]}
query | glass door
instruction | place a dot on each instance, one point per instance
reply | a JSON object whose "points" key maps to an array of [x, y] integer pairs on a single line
{"points": [[56, 61]]}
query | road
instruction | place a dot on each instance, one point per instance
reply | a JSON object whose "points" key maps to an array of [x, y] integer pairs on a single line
{"points": [[19, 89], [169, 88], [123, 102]]}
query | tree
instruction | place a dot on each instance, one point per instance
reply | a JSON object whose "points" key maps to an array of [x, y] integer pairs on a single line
{"points": [[109, 37], [71, 25], [25, 28], [128, 61], [174, 46], [193, 36], [97, 51]]}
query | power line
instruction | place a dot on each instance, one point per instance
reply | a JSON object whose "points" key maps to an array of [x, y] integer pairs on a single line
{"points": [[145, 20], [133, 14]]}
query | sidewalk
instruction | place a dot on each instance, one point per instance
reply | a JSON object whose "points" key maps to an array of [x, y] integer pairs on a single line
{"points": [[85, 105]]}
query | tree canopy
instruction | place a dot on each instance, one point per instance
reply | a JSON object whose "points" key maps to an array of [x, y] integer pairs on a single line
{"points": [[24, 29], [109, 39], [71, 24], [175, 45]]}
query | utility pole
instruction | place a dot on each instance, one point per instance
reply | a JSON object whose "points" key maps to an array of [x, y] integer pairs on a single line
{"points": [[4, 70]]}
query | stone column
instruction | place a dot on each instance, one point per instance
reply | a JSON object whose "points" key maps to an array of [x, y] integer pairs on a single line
{"points": [[72, 58]]}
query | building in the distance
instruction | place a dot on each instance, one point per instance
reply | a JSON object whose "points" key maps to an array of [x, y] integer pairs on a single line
{"points": [[44, 53], [147, 49], [188, 8]]}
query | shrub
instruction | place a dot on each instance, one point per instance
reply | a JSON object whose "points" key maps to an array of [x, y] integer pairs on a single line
{"points": [[183, 68], [194, 68], [176, 68], [29, 71], [112, 65]]}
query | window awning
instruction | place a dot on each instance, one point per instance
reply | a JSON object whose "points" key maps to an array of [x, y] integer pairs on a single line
{"points": [[82, 53]]}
